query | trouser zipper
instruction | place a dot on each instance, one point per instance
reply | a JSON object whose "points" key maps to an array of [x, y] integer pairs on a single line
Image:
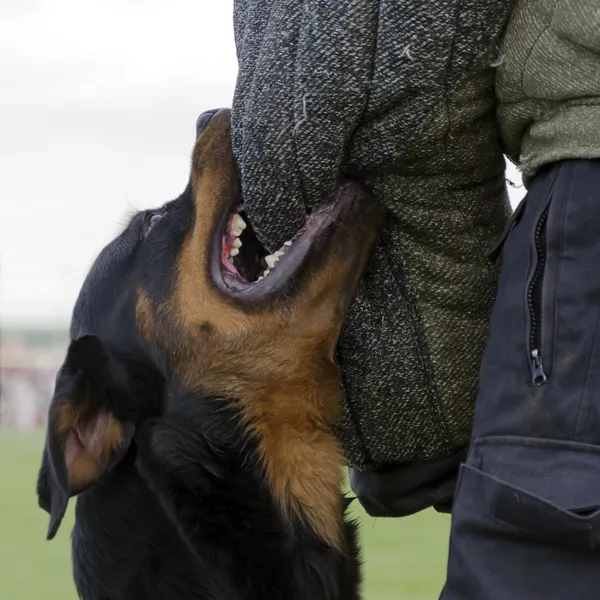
{"points": [[534, 302]]}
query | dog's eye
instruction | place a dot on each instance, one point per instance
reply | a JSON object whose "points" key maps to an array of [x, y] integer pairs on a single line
{"points": [[151, 220]]}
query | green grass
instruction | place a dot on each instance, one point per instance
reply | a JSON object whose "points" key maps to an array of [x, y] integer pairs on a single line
{"points": [[405, 559], [30, 567]]}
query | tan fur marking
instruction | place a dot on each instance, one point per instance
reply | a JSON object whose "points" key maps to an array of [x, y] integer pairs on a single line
{"points": [[145, 316], [302, 460], [89, 442], [66, 418]]}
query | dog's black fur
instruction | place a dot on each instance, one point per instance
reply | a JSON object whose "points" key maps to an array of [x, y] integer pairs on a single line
{"points": [[186, 513], [178, 508]]}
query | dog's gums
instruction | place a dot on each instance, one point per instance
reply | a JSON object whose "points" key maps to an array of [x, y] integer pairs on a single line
{"points": [[241, 266]]}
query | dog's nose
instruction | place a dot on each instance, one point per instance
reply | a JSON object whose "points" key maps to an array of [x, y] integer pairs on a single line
{"points": [[204, 118]]}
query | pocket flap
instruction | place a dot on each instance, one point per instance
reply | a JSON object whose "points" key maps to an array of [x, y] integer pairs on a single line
{"points": [[539, 519], [547, 489]]}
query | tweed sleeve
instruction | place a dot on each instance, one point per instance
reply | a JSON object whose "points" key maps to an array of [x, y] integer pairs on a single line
{"points": [[398, 94], [304, 80]]}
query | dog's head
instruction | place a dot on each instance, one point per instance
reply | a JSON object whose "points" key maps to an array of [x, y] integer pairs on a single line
{"points": [[182, 298]]}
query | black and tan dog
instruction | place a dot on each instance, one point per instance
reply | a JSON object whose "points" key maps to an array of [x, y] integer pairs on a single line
{"points": [[192, 415]]}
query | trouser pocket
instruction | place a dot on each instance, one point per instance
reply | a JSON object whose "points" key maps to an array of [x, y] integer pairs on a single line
{"points": [[526, 522]]}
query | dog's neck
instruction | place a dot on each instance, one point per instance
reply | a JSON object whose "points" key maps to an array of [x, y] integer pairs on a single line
{"points": [[301, 459], [217, 469]]}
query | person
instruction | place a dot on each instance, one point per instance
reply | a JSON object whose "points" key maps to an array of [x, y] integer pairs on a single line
{"points": [[419, 101], [526, 517], [400, 96]]}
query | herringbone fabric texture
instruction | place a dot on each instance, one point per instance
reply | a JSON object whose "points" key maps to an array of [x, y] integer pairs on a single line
{"points": [[398, 94]]}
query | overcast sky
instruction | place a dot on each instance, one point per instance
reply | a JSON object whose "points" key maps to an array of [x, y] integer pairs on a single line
{"points": [[98, 101]]}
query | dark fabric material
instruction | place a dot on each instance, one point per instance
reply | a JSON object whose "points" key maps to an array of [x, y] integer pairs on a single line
{"points": [[399, 95], [526, 519], [399, 491]]}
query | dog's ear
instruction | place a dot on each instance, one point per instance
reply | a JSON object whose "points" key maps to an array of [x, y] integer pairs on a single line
{"points": [[90, 425]]}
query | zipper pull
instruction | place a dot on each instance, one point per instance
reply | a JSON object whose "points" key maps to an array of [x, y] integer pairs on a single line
{"points": [[537, 368]]}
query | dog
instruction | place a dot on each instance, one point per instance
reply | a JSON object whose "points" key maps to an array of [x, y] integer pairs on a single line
{"points": [[192, 416]]}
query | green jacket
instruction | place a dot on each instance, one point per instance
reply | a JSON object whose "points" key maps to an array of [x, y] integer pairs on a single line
{"points": [[548, 85]]}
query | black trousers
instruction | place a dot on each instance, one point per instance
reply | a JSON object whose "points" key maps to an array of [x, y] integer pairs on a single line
{"points": [[526, 516]]}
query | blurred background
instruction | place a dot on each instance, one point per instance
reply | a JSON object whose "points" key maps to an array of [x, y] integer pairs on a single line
{"points": [[98, 101]]}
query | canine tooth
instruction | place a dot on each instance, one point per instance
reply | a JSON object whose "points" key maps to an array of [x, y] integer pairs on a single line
{"points": [[234, 252], [238, 223], [271, 260], [261, 277], [288, 243], [266, 273], [237, 231], [279, 253], [237, 243]]}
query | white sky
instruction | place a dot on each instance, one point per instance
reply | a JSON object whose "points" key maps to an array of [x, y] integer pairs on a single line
{"points": [[98, 102]]}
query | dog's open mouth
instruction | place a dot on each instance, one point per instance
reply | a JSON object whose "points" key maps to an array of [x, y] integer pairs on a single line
{"points": [[243, 267]]}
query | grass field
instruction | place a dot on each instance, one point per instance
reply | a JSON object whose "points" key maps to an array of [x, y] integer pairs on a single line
{"points": [[404, 559]]}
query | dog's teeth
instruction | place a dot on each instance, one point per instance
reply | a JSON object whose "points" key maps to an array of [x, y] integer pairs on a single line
{"points": [[238, 223], [279, 253], [271, 260], [237, 243], [234, 252], [266, 273], [236, 231], [261, 277], [288, 243]]}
